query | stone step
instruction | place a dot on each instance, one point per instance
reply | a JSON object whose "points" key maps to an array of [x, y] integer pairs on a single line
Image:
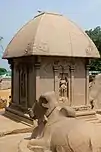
{"points": [[90, 119], [85, 113], [89, 116], [95, 120]]}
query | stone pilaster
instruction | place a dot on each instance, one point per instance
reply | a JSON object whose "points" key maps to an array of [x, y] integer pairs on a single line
{"points": [[37, 71], [10, 62], [72, 84], [87, 84], [56, 81]]}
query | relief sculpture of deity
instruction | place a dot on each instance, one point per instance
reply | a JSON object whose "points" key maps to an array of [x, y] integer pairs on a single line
{"points": [[63, 88]]}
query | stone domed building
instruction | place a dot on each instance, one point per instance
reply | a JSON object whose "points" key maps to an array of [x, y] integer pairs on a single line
{"points": [[49, 53]]}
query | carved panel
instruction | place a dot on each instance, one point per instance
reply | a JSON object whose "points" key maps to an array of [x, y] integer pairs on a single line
{"points": [[42, 46], [48, 68], [89, 50], [62, 64]]}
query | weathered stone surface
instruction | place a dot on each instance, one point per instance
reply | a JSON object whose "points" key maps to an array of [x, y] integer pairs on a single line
{"points": [[40, 63], [61, 122]]}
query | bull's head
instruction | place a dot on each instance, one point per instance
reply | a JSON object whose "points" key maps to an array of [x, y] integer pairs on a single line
{"points": [[49, 102], [44, 106], [37, 111]]}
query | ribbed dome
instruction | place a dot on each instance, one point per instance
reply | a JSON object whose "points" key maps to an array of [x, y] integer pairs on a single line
{"points": [[51, 34]]}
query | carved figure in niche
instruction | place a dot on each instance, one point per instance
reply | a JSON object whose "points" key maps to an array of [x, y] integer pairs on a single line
{"points": [[61, 122], [63, 87]]}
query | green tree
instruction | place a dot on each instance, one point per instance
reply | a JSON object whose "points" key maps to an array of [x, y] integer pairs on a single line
{"points": [[95, 35], [3, 71]]}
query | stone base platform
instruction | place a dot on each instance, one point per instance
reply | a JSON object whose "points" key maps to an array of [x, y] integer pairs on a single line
{"points": [[81, 112], [89, 116], [17, 115]]}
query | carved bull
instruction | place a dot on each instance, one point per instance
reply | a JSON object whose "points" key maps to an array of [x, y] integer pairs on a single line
{"points": [[63, 132]]}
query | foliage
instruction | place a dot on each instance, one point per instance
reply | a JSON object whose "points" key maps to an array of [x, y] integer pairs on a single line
{"points": [[95, 35], [3, 71]]}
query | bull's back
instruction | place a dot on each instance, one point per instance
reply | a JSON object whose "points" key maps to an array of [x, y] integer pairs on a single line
{"points": [[76, 134]]}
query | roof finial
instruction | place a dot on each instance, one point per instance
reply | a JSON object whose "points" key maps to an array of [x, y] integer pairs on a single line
{"points": [[39, 11]]}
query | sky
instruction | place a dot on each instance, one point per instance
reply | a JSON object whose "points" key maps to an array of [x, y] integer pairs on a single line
{"points": [[15, 13]]}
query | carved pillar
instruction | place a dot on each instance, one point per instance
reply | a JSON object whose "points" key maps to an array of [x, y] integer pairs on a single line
{"points": [[71, 84], [86, 84], [56, 81], [37, 71], [10, 62]]}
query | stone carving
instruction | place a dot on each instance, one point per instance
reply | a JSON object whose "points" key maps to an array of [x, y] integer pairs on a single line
{"points": [[62, 65], [63, 87], [76, 135], [89, 49], [42, 46], [47, 68], [28, 48]]}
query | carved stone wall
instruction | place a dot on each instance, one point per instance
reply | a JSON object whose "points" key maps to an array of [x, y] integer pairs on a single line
{"points": [[24, 82], [55, 76], [66, 76], [79, 82]]}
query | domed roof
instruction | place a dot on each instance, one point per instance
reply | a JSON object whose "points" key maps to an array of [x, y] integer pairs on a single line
{"points": [[51, 35]]}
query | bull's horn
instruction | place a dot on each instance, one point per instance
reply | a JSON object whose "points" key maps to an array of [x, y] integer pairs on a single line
{"points": [[45, 118]]}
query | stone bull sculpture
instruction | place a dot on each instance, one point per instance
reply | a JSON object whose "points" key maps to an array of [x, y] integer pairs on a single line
{"points": [[61, 131]]}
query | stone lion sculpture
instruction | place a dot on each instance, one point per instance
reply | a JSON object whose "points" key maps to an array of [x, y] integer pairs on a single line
{"points": [[61, 131]]}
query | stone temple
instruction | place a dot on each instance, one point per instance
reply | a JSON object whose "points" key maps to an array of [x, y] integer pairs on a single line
{"points": [[49, 53]]}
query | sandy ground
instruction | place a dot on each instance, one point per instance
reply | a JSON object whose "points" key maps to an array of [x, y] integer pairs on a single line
{"points": [[5, 93], [8, 125], [10, 143]]}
